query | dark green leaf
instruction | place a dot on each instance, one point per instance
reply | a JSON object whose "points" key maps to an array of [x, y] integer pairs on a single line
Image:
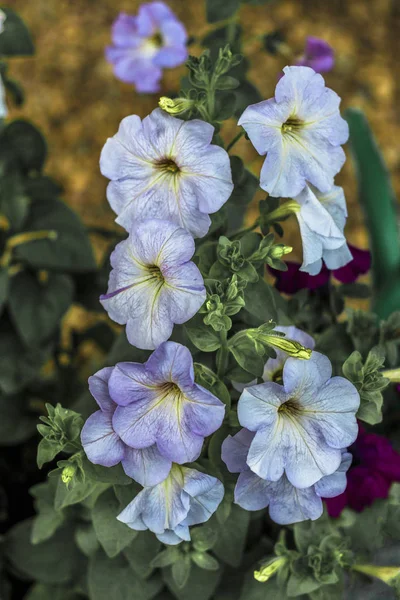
{"points": [[4, 287], [48, 520], [113, 535], [205, 561], [18, 366], [218, 10], [200, 585], [15, 39], [37, 308], [86, 539], [114, 475], [41, 591], [16, 424], [246, 356], [14, 202], [260, 301], [232, 538], [76, 492], [181, 570], [201, 335], [26, 143], [141, 552]]}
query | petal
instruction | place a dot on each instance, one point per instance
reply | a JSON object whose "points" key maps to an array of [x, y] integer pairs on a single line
{"points": [[335, 484], [206, 494], [184, 292], [147, 466], [337, 259], [171, 362], [263, 121], [157, 242], [98, 386], [234, 451], [101, 444], [290, 505], [131, 382], [170, 56], [132, 514], [303, 378], [171, 538], [252, 492], [124, 31], [204, 411], [161, 131], [258, 405], [174, 35]]}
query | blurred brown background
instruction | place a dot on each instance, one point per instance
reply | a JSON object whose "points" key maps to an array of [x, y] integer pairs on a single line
{"points": [[73, 96]]}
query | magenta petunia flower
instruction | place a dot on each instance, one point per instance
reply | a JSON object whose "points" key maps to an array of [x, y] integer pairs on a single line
{"points": [[145, 44], [318, 55], [375, 467], [294, 280]]}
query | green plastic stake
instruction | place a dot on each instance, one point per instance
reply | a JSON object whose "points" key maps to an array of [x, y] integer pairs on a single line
{"points": [[378, 201]]}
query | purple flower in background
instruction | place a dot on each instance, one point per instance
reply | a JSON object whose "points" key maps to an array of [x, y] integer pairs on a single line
{"points": [[293, 280], [301, 131], [322, 218], [301, 426], [375, 467], [104, 447], [153, 284], [166, 168], [146, 44], [186, 497], [318, 55], [287, 504], [159, 403]]}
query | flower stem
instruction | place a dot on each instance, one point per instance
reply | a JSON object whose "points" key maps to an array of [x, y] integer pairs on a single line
{"points": [[223, 353], [235, 139]]}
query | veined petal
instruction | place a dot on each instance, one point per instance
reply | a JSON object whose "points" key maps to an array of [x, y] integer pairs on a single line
{"points": [[101, 444], [98, 386], [258, 405], [291, 505], [335, 484], [131, 382], [161, 243], [263, 121], [206, 494], [302, 378], [252, 492], [234, 451], [203, 411], [146, 466], [171, 362]]}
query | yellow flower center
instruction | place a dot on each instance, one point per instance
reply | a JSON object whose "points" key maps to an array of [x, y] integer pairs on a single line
{"points": [[292, 125], [167, 165]]}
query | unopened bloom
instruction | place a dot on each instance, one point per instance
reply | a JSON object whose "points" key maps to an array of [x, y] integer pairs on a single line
{"points": [[273, 369], [301, 131], [145, 44], [318, 55], [376, 467], [322, 218], [103, 446], [160, 403], [166, 168], [153, 284], [186, 497], [301, 426], [287, 504]]}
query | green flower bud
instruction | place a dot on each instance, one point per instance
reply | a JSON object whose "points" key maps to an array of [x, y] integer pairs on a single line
{"points": [[68, 474], [279, 250], [385, 574], [175, 106], [269, 569], [291, 347]]}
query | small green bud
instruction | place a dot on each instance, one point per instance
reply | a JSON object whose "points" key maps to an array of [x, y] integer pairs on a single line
{"points": [[279, 250], [392, 374], [68, 474], [175, 106], [385, 574], [291, 347], [269, 569]]}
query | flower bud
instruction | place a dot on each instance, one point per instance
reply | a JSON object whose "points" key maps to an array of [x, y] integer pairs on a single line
{"points": [[175, 106], [279, 250], [269, 569], [385, 574], [291, 347], [68, 474]]}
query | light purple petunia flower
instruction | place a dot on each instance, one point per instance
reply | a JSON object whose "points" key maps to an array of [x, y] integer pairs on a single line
{"points": [[153, 284], [159, 403], [318, 55], [103, 446], [287, 504], [301, 131], [145, 44], [186, 497], [301, 426], [166, 168], [322, 218]]}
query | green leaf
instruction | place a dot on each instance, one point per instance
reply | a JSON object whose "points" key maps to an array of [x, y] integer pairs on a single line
{"points": [[37, 308], [14, 201], [246, 356], [109, 579], [219, 10], [181, 570], [214, 447], [26, 143], [204, 537], [41, 591], [113, 475], [246, 94], [18, 366], [48, 519], [52, 561], [201, 335], [232, 538], [209, 380], [205, 561], [16, 424], [15, 39], [113, 535], [300, 584], [86, 539], [166, 557], [77, 492], [374, 182], [71, 251], [4, 287], [225, 106], [260, 301], [141, 552], [200, 586], [226, 82]]}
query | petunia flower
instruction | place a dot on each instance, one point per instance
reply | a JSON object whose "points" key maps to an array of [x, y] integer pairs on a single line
{"points": [[287, 504], [153, 284], [294, 280], [159, 403], [145, 44], [318, 55], [301, 426], [166, 168], [376, 465], [301, 131], [186, 497], [322, 218], [103, 446]]}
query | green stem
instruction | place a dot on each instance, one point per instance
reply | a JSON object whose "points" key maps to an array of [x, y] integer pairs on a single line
{"points": [[235, 139], [223, 354], [241, 232]]}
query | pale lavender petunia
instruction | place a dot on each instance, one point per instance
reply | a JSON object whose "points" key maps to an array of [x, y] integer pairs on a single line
{"points": [[322, 218], [103, 446], [186, 497], [145, 44], [301, 426], [287, 504], [153, 284], [160, 403], [301, 131], [166, 168], [318, 55]]}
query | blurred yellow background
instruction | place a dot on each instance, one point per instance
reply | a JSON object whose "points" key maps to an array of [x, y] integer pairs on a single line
{"points": [[73, 96]]}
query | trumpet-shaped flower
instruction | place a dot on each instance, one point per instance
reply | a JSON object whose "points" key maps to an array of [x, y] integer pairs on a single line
{"points": [[322, 218], [159, 403], [145, 44], [301, 131], [166, 168], [153, 284], [301, 426], [186, 497], [287, 504], [103, 446]]}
